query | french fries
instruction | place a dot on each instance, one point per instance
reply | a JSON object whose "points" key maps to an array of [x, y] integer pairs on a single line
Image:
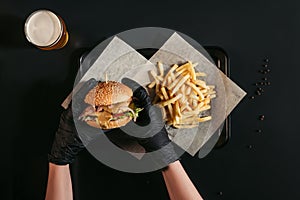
{"points": [[182, 95]]}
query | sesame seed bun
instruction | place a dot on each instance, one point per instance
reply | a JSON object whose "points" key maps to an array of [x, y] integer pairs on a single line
{"points": [[106, 101], [107, 93]]}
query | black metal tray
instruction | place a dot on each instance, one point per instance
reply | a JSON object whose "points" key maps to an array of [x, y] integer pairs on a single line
{"points": [[220, 57], [221, 60]]}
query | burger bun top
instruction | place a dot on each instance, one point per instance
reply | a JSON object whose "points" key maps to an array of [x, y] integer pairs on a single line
{"points": [[107, 93]]}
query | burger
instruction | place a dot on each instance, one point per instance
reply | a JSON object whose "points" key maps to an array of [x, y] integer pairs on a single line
{"points": [[109, 105]]}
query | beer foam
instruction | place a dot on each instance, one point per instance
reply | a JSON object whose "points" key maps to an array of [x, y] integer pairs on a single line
{"points": [[43, 28]]}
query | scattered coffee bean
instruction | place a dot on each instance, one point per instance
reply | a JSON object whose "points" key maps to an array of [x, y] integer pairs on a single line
{"points": [[259, 130], [265, 78], [262, 117], [265, 65], [249, 146], [252, 97], [260, 89], [220, 193], [266, 60], [268, 83]]}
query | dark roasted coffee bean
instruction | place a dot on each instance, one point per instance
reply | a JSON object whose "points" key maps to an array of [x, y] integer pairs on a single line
{"points": [[262, 117]]}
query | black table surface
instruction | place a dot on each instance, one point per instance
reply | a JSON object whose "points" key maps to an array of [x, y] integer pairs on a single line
{"points": [[252, 165]]}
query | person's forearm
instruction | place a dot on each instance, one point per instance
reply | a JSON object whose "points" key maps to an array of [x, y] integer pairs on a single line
{"points": [[59, 184], [171, 195], [178, 183]]}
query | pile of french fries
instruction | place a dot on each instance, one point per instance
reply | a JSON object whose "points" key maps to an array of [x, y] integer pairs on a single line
{"points": [[182, 95]]}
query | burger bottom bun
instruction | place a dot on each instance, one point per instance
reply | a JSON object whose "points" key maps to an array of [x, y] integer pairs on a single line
{"points": [[110, 124]]}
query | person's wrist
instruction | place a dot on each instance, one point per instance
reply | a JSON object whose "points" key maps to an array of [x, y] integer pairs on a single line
{"points": [[170, 165], [55, 166]]}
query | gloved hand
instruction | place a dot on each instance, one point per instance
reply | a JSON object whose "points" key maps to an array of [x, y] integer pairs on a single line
{"points": [[67, 143], [151, 133]]}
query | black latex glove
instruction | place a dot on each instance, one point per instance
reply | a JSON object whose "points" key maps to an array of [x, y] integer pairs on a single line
{"points": [[151, 133], [150, 121], [67, 143]]}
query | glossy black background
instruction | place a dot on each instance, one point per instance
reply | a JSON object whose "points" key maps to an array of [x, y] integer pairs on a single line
{"points": [[34, 83]]}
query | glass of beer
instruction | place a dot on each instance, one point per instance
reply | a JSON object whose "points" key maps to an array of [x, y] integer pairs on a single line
{"points": [[46, 30]]}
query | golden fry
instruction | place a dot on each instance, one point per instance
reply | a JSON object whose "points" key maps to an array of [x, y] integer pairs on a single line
{"points": [[170, 109], [152, 84], [164, 93], [206, 107], [204, 119], [197, 90], [192, 72], [180, 83], [181, 95], [206, 101], [177, 109], [161, 69], [164, 103], [169, 72], [180, 72], [201, 83], [169, 81], [213, 96], [186, 65]]}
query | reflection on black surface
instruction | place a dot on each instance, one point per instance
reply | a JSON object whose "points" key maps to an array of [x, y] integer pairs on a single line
{"points": [[12, 32]]}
